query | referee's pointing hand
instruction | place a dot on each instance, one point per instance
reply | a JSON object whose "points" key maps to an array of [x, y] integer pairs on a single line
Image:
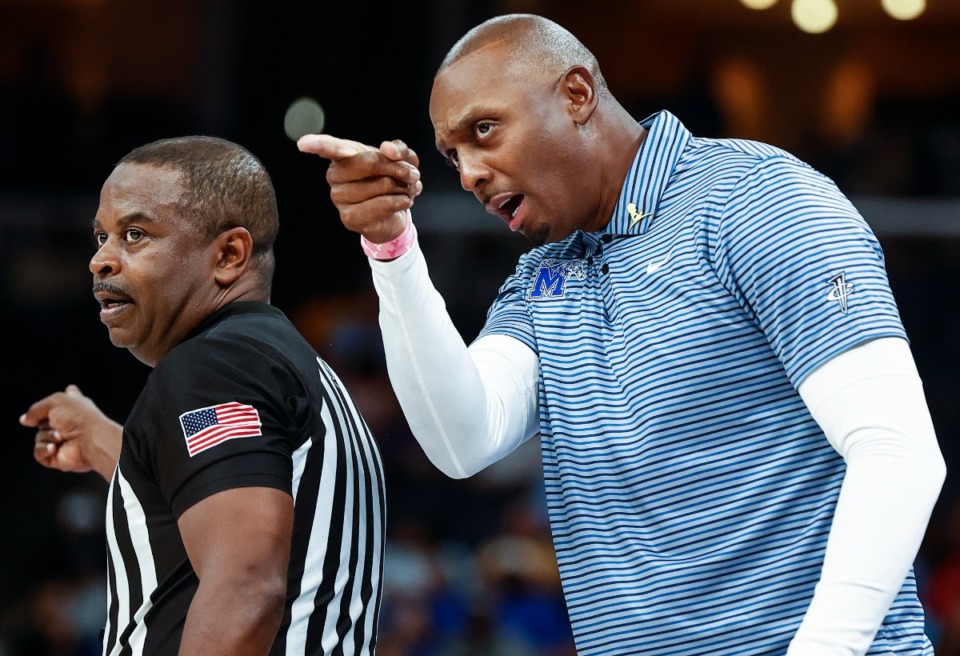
{"points": [[73, 435]]}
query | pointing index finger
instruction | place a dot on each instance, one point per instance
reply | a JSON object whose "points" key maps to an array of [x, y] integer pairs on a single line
{"points": [[330, 147]]}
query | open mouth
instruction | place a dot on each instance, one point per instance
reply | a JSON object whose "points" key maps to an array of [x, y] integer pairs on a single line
{"points": [[510, 206], [113, 303], [110, 297]]}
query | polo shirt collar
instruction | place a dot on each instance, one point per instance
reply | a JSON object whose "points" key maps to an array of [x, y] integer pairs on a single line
{"points": [[649, 174]]}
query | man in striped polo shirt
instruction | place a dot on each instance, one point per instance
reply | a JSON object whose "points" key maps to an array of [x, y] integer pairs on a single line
{"points": [[246, 507], [737, 451]]}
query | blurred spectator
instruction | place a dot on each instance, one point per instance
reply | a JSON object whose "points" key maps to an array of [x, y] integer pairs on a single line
{"points": [[483, 635], [941, 585], [45, 623], [63, 612], [518, 568]]}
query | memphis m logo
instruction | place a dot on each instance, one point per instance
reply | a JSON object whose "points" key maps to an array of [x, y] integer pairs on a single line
{"points": [[551, 277]]}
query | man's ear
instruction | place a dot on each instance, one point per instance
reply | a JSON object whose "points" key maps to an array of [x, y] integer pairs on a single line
{"points": [[234, 250], [580, 92]]}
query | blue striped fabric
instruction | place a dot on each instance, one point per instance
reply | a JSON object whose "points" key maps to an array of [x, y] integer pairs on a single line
{"points": [[690, 491]]}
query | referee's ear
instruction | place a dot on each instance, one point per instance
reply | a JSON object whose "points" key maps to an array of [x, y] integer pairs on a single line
{"points": [[234, 250]]}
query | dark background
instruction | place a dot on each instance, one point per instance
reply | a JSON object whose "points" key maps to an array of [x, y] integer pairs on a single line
{"points": [[875, 103]]}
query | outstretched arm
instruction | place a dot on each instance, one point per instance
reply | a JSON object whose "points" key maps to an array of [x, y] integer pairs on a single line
{"points": [[466, 407], [73, 435]]}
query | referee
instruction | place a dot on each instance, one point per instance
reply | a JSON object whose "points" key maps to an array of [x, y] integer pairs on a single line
{"points": [[246, 505], [737, 453]]}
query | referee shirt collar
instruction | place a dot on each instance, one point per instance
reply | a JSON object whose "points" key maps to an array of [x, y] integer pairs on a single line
{"points": [[649, 174], [232, 309]]}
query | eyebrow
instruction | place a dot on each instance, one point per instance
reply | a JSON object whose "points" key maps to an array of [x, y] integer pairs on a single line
{"points": [[470, 116]]}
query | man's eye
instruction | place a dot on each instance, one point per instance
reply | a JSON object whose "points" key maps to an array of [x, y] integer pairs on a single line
{"points": [[452, 161], [99, 238], [483, 129], [132, 234]]}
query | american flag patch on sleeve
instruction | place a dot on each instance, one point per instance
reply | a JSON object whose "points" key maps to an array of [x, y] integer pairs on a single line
{"points": [[207, 427]]}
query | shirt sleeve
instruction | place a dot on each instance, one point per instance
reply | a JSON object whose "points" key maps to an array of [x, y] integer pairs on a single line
{"points": [[804, 265], [217, 420], [870, 404], [467, 407]]}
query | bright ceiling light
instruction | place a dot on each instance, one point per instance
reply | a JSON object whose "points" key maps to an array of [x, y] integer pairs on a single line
{"points": [[904, 9], [814, 16], [758, 4]]}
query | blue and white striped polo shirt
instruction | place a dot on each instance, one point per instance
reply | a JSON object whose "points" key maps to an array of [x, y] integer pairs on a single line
{"points": [[690, 492]]}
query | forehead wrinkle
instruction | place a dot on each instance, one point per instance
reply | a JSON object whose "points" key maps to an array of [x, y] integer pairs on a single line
{"points": [[128, 218], [467, 118], [445, 130]]}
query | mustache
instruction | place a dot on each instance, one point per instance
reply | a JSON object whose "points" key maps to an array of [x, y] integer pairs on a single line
{"points": [[108, 288]]}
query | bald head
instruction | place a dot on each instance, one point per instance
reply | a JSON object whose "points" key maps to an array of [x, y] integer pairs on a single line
{"points": [[531, 41], [519, 108]]}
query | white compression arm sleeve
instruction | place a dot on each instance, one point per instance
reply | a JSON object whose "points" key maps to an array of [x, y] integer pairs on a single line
{"points": [[869, 402], [467, 407]]}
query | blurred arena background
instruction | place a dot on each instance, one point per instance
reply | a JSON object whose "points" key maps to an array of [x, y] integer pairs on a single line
{"points": [[870, 99]]}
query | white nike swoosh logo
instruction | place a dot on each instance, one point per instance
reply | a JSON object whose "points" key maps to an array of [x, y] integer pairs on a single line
{"points": [[655, 265]]}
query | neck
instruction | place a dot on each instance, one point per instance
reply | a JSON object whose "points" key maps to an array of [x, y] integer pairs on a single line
{"points": [[619, 139]]}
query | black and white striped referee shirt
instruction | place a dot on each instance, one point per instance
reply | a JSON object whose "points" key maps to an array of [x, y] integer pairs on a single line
{"points": [[245, 401]]}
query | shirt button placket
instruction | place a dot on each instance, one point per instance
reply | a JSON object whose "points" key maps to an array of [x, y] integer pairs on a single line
{"points": [[605, 239]]}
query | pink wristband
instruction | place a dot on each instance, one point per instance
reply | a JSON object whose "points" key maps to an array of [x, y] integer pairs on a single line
{"points": [[394, 248]]}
